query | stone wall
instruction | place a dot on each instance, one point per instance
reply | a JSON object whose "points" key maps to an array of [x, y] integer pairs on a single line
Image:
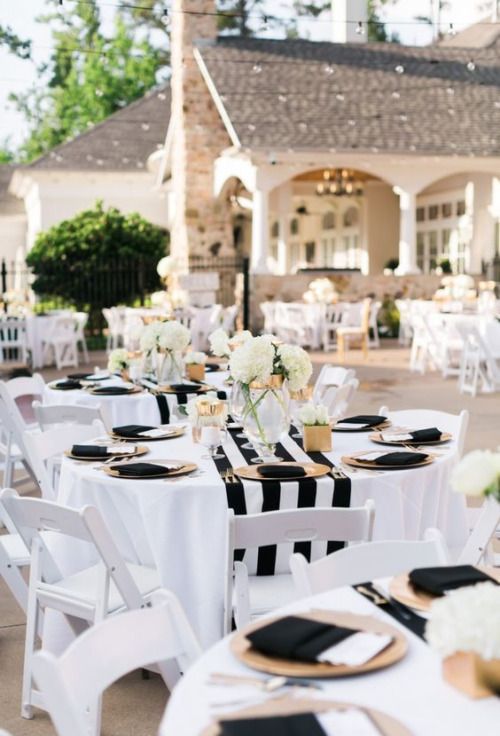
{"points": [[350, 286], [199, 222]]}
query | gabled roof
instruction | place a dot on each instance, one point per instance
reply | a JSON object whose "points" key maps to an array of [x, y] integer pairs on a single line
{"points": [[121, 142], [304, 95], [477, 36]]}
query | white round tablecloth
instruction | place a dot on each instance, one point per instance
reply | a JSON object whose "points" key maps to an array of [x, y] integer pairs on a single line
{"points": [[180, 526], [38, 327], [413, 690], [140, 408]]}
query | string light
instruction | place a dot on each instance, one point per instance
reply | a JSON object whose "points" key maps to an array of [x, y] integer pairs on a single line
{"points": [[164, 18], [451, 30], [360, 30], [399, 69], [471, 65]]}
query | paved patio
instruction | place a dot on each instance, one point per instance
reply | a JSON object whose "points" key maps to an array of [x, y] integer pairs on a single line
{"points": [[134, 706]]}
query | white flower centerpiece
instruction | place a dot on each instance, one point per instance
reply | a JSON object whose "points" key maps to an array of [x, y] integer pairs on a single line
{"points": [[222, 345], [195, 365], [317, 431], [464, 628], [265, 371], [478, 474], [166, 341], [119, 362]]}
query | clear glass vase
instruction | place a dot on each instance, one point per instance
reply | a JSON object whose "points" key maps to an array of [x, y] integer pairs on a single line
{"points": [[266, 418], [169, 367]]}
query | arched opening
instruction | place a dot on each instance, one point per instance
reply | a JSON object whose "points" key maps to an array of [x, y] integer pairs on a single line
{"points": [[458, 223]]}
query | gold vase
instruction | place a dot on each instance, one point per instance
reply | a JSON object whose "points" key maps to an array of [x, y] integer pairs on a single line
{"points": [[472, 675], [317, 437], [195, 371], [125, 374]]}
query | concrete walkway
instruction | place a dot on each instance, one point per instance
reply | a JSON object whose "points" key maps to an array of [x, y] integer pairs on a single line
{"points": [[133, 707]]}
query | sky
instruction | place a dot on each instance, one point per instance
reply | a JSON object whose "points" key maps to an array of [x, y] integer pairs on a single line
{"points": [[20, 15]]}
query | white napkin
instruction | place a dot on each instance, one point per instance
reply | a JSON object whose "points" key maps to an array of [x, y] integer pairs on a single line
{"points": [[392, 437], [356, 649], [157, 432], [349, 722], [350, 425], [371, 456], [119, 450]]}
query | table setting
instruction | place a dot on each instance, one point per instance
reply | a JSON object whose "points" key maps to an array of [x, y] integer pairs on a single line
{"points": [[320, 655]]}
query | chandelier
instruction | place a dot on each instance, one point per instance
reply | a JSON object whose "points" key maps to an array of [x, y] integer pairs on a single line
{"points": [[339, 183]]}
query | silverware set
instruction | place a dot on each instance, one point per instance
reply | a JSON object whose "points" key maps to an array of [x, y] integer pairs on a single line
{"points": [[228, 476]]}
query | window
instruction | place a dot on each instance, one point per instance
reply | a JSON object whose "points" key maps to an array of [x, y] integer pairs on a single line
{"points": [[445, 242], [420, 214], [433, 212], [421, 252], [461, 207], [329, 220], [351, 217], [294, 226], [446, 209], [310, 252], [275, 230]]}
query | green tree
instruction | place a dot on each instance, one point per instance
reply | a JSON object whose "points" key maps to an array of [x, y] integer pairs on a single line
{"points": [[16, 45], [98, 258], [89, 76]]}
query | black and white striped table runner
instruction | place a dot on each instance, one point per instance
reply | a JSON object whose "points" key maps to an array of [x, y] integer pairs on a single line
{"points": [[245, 496]]}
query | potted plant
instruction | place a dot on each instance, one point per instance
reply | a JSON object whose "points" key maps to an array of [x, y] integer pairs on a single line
{"points": [[195, 365], [317, 431], [119, 362]]}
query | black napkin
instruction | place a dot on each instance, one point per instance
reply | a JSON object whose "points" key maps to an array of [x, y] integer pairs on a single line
{"points": [[372, 420], [432, 434], [78, 376], [89, 451], [401, 458], [185, 387], [438, 580], [132, 430], [300, 724], [68, 384], [212, 368], [297, 638], [112, 390], [281, 471], [137, 470]]}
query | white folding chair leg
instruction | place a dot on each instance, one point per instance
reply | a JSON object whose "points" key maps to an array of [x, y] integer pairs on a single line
{"points": [[15, 582], [242, 601]]}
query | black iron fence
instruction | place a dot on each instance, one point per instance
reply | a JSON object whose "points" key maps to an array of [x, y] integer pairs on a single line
{"points": [[124, 281]]}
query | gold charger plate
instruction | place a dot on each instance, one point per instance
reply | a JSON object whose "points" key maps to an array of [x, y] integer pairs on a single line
{"points": [[195, 389], [286, 706], [184, 469], [355, 461], [242, 649], [403, 591], [135, 452], [375, 437], [96, 391], [313, 470], [170, 436], [383, 425]]}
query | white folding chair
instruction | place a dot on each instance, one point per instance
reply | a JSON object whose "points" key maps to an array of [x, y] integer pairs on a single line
{"points": [[337, 400], [44, 450], [405, 325], [374, 339], [478, 547], [73, 683], [479, 367], [13, 341], [248, 596], [14, 555], [268, 309], [16, 415], [454, 424], [331, 375], [334, 314], [360, 563], [108, 587], [229, 315], [48, 415], [81, 319], [359, 331], [60, 345]]}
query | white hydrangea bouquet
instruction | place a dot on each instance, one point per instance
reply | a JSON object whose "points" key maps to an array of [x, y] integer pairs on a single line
{"points": [[265, 370], [167, 341], [119, 362], [317, 432], [464, 628], [222, 345], [478, 474]]}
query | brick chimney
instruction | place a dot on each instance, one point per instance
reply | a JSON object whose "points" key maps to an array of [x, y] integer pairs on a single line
{"points": [[200, 225]]}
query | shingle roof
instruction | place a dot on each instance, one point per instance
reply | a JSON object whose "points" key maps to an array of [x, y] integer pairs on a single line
{"points": [[121, 142], [381, 97], [9, 204], [478, 35]]}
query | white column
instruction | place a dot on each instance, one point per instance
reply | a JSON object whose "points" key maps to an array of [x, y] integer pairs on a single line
{"points": [[483, 223], [407, 232], [284, 206], [260, 231]]}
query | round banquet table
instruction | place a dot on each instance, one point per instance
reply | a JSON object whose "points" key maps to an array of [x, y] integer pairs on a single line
{"points": [[412, 690], [37, 328], [180, 527], [139, 408]]}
